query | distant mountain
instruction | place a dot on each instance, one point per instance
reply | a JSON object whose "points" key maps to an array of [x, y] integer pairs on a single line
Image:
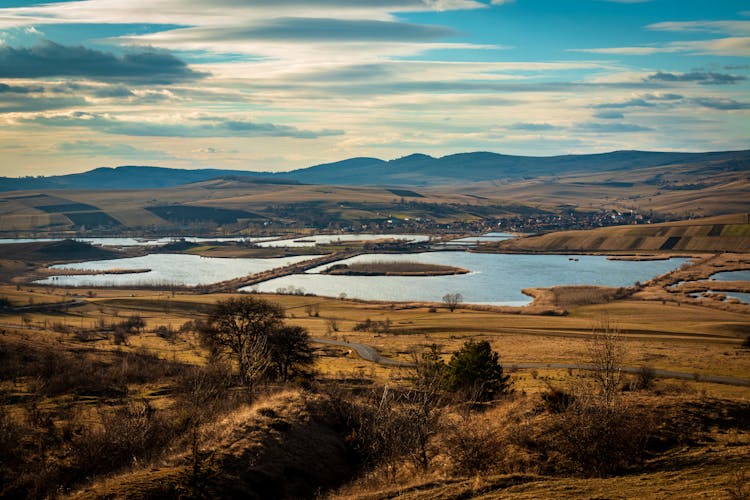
{"points": [[128, 177], [423, 170], [412, 170]]}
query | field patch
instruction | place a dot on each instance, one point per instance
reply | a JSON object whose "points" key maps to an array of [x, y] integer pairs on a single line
{"points": [[406, 193], [185, 213], [92, 219], [66, 207]]}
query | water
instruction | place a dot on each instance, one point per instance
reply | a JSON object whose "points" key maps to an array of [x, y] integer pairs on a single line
{"points": [[741, 296], [308, 241], [732, 276], [168, 269], [473, 240], [134, 242], [494, 278]]}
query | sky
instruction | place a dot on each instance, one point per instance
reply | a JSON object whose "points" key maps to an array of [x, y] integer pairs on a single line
{"points": [[284, 84]]}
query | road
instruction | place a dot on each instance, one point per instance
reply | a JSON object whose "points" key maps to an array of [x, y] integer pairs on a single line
{"points": [[369, 353]]}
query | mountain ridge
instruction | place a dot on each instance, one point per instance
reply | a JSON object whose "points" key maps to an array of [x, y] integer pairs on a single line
{"points": [[412, 170]]}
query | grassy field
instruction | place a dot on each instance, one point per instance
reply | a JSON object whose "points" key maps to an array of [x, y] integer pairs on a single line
{"points": [[674, 336]]}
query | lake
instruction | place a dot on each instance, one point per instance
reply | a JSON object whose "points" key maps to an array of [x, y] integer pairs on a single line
{"points": [[485, 238], [168, 269], [494, 278], [134, 242], [732, 276], [308, 241]]}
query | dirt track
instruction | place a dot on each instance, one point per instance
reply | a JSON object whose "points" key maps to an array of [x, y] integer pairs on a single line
{"points": [[369, 353]]}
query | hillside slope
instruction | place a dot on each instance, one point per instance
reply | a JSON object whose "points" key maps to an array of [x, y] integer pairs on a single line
{"points": [[717, 234]]}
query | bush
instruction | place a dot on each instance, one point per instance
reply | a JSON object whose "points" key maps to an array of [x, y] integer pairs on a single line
{"points": [[475, 372], [135, 433], [644, 378], [592, 438], [369, 325], [557, 400], [166, 332], [474, 446]]}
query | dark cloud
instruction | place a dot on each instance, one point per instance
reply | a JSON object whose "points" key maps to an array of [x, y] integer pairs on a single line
{"points": [[22, 89], [319, 30], [637, 102], [611, 127], [533, 127], [609, 115], [720, 104], [663, 97], [702, 78], [112, 92], [50, 59], [208, 127], [27, 104]]}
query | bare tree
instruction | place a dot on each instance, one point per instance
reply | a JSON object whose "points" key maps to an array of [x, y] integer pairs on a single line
{"points": [[607, 352], [451, 300], [242, 326]]}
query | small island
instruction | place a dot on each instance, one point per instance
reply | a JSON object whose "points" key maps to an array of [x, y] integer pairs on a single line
{"points": [[393, 269]]}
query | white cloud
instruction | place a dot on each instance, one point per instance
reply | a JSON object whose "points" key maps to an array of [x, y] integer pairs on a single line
{"points": [[739, 28], [730, 46]]}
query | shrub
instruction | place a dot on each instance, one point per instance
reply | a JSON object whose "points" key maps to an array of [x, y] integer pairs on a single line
{"points": [[166, 332], [369, 325], [557, 400], [475, 372], [644, 378], [474, 446], [593, 438], [125, 436]]}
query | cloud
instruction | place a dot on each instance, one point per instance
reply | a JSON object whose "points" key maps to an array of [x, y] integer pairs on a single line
{"points": [[205, 127], [20, 89], [702, 78], [19, 103], [720, 103], [609, 128], [219, 12], [626, 51], [315, 30], [728, 46], [99, 149], [636, 102], [722, 27], [609, 115], [533, 127], [50, 59]]}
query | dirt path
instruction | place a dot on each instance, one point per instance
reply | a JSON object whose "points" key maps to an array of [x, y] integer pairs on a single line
{"points": [[366, 352], [369, 353]]}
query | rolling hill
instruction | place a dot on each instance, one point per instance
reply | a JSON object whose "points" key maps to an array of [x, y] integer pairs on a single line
{"points": [[415, 170]]}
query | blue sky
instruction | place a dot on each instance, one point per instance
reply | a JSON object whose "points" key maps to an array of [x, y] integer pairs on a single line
{"points": [[260, 85]]}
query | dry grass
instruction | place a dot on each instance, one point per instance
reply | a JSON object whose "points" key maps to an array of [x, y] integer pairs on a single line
{"points": [[684, 236], [394, 268]]}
